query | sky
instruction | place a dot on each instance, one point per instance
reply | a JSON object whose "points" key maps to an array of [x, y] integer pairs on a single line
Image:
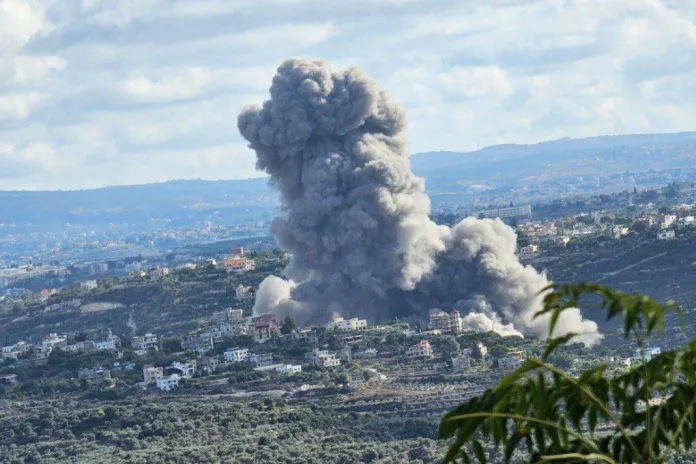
{"points": [[114, 92]]}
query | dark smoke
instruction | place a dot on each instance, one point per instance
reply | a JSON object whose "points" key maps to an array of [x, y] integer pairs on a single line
{"points": [[355, 217]]}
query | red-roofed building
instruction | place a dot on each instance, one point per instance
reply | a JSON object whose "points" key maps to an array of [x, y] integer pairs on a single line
{"points": [[238, 264]]}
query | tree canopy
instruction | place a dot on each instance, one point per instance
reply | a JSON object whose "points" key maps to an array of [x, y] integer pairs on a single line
{"points": [[543, 414]]}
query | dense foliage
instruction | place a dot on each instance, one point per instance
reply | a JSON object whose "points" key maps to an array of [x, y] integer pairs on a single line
{"points": [[546, 414], [206, 429]]}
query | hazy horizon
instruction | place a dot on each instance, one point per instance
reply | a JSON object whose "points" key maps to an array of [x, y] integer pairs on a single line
{"points": [[260, 175]]}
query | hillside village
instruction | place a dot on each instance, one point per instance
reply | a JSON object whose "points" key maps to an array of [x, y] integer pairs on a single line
{"points": [[231, 340]]}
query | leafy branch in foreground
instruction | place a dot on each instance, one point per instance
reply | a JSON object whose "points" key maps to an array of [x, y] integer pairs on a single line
{"points": [[639, 416]]}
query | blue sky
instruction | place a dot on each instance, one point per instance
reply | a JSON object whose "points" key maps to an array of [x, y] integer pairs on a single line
{"points": [[106, 92]]}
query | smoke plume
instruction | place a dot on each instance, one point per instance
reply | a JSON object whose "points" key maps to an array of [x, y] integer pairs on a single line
{"points": [[355, 218]]}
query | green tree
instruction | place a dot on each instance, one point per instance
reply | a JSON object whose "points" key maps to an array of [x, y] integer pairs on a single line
{"points": [[288, 325], [548, 415]]}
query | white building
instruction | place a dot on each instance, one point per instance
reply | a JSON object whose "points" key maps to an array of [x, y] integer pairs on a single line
{"points": [[88, 285], [243, 292], [289, 369], [666, 235], [42, 352], [646, 354], [209, 364], [445, 323], [158, 272], [187, 369], [260, 359], [235, 355], [235, 315], [54, 340], [509, 212], [167, 383], [349, 324], [108, 344], [667, 220], [152, 373], [322, 358], [420, 350], [461, 361], [528, 252], [142, 344], [16, 350]]}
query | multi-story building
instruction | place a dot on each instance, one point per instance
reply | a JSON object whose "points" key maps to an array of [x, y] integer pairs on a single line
{"points": [[167, 383], [16, 350], [111, 342], [666, 235], [152, 373], [94, 375], [243, 292], [646, 354], [260, 359], [235, 315], [289, 369], [145, 343], [200, 343], [506, 213], [157, 273], [307, 335], [88, 285], [322, 358], [264, 328], [446, 323], [349, 324], [209, 364], [528, 252], [667, 221], [238, 265], [421, 349], [461, 360], [42, 352], [53, 340], [235, 355], [186, 370]]}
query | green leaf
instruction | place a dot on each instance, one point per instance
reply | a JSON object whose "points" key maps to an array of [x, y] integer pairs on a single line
{"points": [[478, 450]]}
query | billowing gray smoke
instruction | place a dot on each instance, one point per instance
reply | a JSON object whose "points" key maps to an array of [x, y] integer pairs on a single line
{"points": [[355, 217]]}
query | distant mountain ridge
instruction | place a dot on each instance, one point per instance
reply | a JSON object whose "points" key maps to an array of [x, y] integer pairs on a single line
{"points": [[428, 161], [237, 201]]}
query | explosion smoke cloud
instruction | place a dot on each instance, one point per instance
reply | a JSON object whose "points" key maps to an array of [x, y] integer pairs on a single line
{"points": [[355, 218]]}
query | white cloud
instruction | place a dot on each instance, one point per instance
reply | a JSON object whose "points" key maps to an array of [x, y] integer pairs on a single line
{"points": [[19, 105], [34, 69], [20, 20], [477, 81], [189, 84], [123, 91]]}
